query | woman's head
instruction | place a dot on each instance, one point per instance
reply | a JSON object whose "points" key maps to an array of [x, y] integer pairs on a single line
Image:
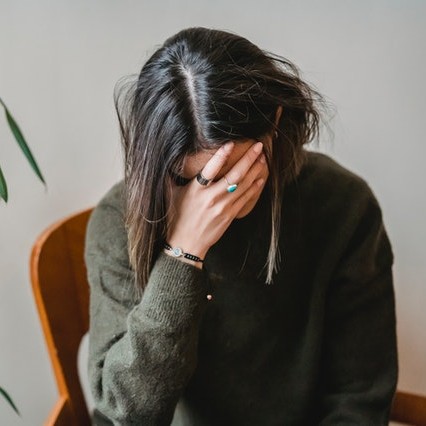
{"points": [[200, 89]]}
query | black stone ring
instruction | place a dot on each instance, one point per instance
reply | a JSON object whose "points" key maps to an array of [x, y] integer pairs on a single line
{"points": [[202, 180]]}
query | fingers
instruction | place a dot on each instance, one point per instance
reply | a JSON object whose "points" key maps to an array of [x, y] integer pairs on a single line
{"points": [[215, 164], [247, 195], [258, 170], [243, 165]]}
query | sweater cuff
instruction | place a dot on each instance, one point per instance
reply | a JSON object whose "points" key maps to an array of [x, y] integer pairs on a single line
{"points": [[176, 293]]}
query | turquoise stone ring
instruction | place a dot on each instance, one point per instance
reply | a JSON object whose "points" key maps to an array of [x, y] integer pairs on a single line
{"points": [[232, 188]]}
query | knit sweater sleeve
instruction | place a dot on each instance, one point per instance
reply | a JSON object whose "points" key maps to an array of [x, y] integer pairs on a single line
{"points": [[142, 352], [360, 350]]}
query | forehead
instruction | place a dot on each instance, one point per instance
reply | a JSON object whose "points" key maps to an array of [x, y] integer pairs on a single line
{"points": [[195, 162]]}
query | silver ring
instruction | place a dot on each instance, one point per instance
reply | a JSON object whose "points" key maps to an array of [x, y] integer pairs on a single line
{"points": [[202, 180], [231, 186]]}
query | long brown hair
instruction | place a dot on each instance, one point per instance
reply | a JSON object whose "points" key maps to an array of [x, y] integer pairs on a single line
{"points": [[200, 89]]}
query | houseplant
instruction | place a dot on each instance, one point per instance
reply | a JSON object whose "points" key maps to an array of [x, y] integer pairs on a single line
{"points": [[9, 400], [19, 137]]}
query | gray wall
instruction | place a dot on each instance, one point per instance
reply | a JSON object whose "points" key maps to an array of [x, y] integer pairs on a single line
{"points": [[59, 61]]}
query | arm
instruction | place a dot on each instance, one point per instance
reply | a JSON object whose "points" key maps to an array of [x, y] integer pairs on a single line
{"points": [[141, 353], [360, 351]]}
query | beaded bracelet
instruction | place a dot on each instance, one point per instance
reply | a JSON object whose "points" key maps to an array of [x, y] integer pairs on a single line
{"points": [[177, 252]]}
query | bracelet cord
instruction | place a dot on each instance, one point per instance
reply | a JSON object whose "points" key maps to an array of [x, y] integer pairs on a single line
{"points": [[177, 251]]}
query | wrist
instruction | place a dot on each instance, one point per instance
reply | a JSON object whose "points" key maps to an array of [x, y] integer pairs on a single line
{"points": [[183, 255], [198, 265], [188, 247]]}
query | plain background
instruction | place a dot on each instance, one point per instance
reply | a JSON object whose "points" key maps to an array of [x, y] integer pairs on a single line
{"points": [[59, 62]]}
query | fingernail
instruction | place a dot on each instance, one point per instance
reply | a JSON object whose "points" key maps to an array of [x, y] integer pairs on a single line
{"points": [[262, 158], [228, 146], [260, 181], [258, 147]]}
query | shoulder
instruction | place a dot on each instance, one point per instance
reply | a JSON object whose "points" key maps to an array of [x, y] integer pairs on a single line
{"points": [[331, 202], [322, 170], [106, 226], [114, 197], [328, 183], [106, 248]]}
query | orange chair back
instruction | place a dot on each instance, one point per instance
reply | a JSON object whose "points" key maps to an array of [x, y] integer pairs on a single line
{"points": [[409, 409], [61, 292]]}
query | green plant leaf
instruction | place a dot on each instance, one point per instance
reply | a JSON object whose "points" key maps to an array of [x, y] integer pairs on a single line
{"points": [[9, 400], [3, 187], [21, 141]]}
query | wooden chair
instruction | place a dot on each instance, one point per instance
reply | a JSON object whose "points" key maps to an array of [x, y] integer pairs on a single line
{"points": [[409, 409], [61, 292]]}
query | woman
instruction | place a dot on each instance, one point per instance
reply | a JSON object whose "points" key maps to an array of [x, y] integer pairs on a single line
{"points": [[235, 277]]}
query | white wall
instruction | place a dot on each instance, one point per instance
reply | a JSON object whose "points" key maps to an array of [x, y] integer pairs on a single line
{"points": [[59, 61]]}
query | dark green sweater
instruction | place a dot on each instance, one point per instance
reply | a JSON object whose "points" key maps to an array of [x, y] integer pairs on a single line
{"points": [[316, 347]]}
